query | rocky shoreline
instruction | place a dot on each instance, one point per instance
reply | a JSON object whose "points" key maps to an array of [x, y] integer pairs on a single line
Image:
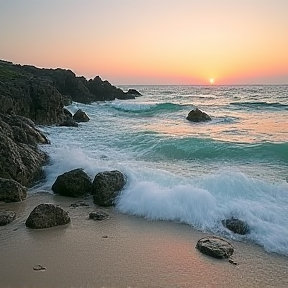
{"points": [[31, 95]]}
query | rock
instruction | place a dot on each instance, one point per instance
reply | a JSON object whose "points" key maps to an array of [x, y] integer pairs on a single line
{"points": [[20, 158], [75, 183], [81, 116], [7, 217], [133, 92], [69, 123], [106, 187], [39, 268], [236, 226], [215, 247], [11, 191], [197, 115], [79, 204], [98, 215], [46, 216]]}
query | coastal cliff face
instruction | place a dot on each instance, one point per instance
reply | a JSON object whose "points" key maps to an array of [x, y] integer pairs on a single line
{"points": [[40, 94]]}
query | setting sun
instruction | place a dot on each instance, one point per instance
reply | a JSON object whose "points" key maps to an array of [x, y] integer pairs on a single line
{"points": [[211, 81]]}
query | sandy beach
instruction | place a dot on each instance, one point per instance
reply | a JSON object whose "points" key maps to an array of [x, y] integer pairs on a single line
{"points": [[122, 251]]}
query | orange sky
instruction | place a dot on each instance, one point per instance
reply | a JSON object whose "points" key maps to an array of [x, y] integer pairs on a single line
{"points": [[151, 42]]}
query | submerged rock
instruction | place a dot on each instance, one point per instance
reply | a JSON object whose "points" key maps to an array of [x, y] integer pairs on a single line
{"points": [[75, 183], [215, 247], [7, 217], [11, 191], [197, 115], [133, 92], [69, 122], [46, 216], [106, 187], [236, 226]]}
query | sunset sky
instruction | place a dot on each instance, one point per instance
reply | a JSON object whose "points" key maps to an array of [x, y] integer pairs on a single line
{"points": [[151, 41]]}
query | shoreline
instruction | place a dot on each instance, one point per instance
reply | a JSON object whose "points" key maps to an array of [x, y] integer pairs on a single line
{"points": [[123, 251]]}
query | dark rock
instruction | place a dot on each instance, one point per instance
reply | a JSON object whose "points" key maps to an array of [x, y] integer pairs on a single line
{"points": [[236, 226], [98, 215], [7, 217], [197, 115], [81, 116], [67, 112], [20, 158], [133, 92], [106, 187], [215, 247], [75, 183], [46, 216], [69, 123], [79, 204], [11, 191]]}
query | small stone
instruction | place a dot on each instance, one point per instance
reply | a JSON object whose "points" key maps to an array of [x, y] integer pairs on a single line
{"points": [[39, 268]]}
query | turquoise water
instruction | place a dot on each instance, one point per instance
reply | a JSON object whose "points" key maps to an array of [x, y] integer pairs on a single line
{"points": [[194, 173]]}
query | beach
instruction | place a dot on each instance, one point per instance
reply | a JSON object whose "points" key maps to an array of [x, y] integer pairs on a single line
{"points": [[123, 251]]}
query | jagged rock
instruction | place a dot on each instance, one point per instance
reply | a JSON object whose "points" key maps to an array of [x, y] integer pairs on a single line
{"points": [[215, 247], [75, 183], [11, 191], [98, 215], [46, 216], [6, 217], [20, 158], [80, 116], [133, 92], [236, 226], [197, 115], [106, 187]]}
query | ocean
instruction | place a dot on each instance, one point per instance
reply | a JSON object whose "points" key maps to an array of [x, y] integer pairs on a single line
{"points": [[194, 173]]}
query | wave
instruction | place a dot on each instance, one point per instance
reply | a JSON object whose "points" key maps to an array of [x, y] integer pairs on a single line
{"points": [[155, 146], [145, 107], [261, 105], [203, 203]]}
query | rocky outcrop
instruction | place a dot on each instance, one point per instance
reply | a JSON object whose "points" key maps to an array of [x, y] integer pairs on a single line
{"points": [[20, 158], [7, 217], [75, 183], [197, 115], [46, 216], [11, 191], [133, 92], [215, 247], [106, 187], [237, 226], [40, 94]]}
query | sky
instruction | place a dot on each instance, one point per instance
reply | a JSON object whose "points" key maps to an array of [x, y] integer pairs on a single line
{"points": [[151, 41]]}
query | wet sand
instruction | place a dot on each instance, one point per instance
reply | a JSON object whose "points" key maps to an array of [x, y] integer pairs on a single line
{"points": [[123, 251]]}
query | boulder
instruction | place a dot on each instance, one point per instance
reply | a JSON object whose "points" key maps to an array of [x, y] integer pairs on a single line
{"points": [[20, 158], [106, 187], [11, 191], [98, 215], [237, 226], [7, 217], [80, 116], [75, 183], [46, 216], [197, 115], [215, 247]]}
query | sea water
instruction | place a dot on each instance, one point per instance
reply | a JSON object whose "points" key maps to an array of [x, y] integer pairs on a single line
{"points": [[235, 165]]}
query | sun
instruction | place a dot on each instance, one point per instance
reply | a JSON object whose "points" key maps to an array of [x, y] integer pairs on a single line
{"points": [[211, 81]]}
